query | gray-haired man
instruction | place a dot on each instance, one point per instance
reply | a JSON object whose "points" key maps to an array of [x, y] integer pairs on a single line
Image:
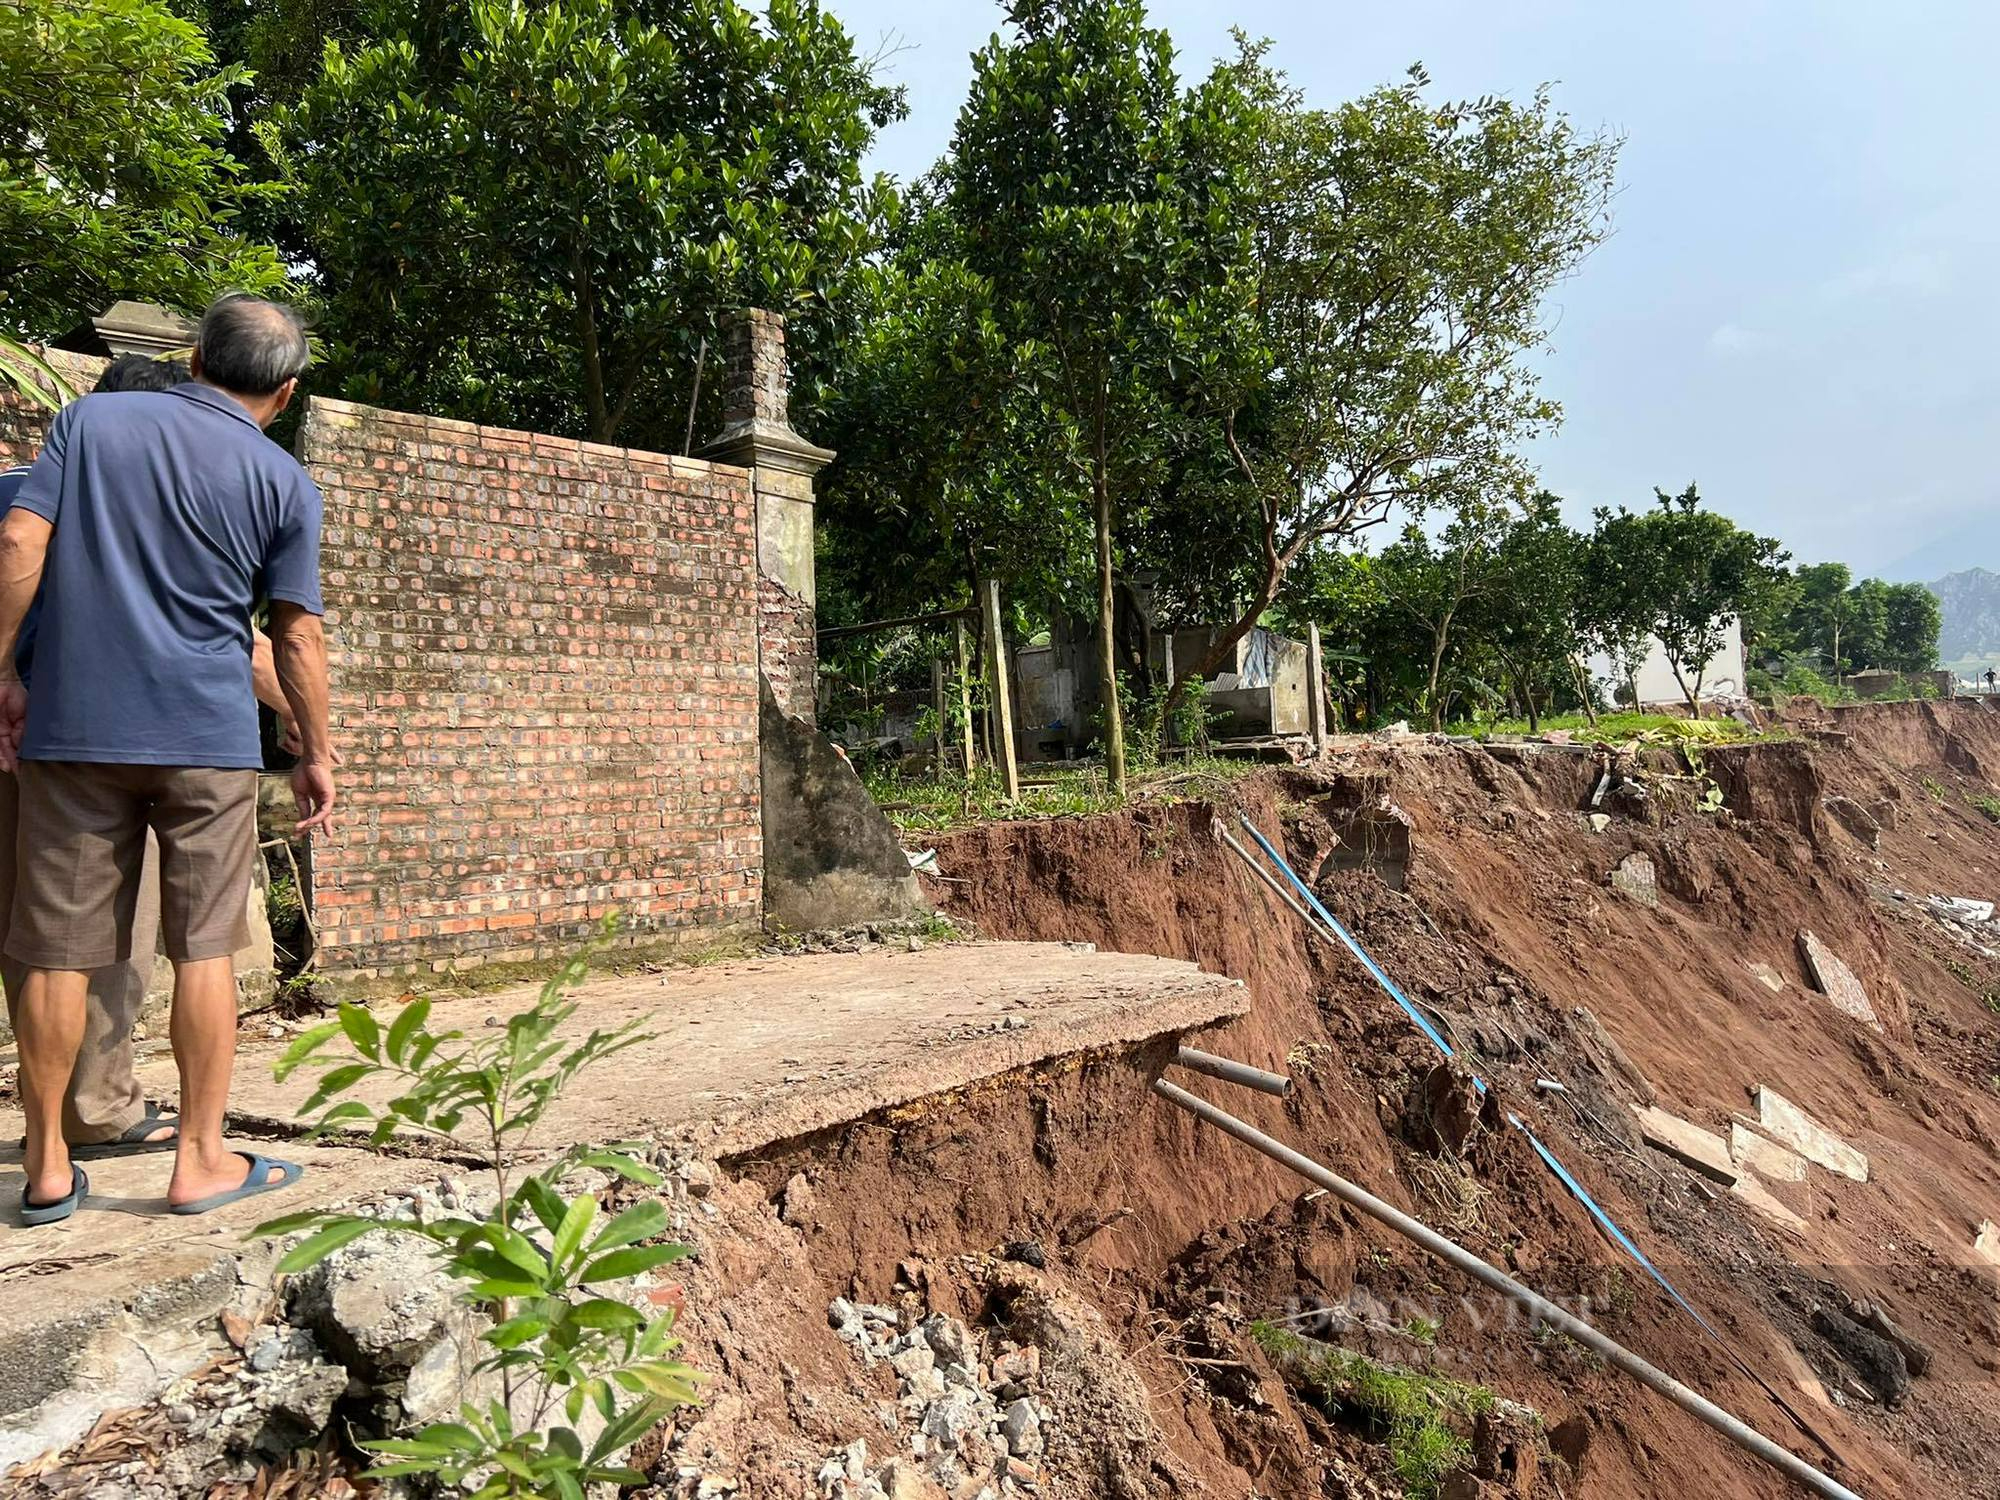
{"points": [[151, 525]]}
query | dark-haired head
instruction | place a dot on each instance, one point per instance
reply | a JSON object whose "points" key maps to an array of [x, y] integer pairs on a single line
{"points": [[253, 349], [141, 372]]}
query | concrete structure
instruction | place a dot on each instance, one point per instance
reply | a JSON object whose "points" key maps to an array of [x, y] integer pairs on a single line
{"points": [[830, 857], [1723, 675], [132, 328], [740, 1057], [757, 435]]}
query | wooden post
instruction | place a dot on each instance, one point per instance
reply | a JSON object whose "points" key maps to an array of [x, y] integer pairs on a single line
{"points": [[1167, 665], [1315, 691], [943, 737], [1003, 699], [964, 653]]}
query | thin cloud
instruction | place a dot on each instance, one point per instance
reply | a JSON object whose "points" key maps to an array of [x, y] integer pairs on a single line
{"points": [[1919, 271], [1732, 339]]}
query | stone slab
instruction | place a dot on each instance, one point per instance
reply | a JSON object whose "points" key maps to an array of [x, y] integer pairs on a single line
{"points": [[1637, 878], [1789, 1125], [1769, 977], [1687, 1143], [1753, 1195], [1986, 1243], [1836, 981], [1767, 1159], [741, 1056]]}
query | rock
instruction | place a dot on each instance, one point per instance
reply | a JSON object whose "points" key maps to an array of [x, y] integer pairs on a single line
{"points": [[1986, 1242], [957, 1374], [1444, 1114], [1916, 1354], [377, 1304], [700, 1179], [1754, 1195], [1856, 819], [1027, 1252], [902, 1480], [1018, 1364], [1637, 878], [1836, 981], [1022, 1429], [1466, 1487], [950, 1340], [798, 1204], [1785, 1122], [442, 1379], [1769, 977], [844, 1318], [1599, 822], [913, 1361], [1767, 1159], [266, 1353], [1687, 1143], [1878, 1362], [949, 1418]]}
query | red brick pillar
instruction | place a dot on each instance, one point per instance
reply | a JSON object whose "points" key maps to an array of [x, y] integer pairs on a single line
{"points": [[757, 434]]}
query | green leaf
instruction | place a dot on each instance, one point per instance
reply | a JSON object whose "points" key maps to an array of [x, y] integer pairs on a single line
{"points": [[575, 1225], [515, 1332], [638, 1223], [334, 1081], [631, 1424], [620, 1264], [302, 1048], [542, 1199], [317, 1247], [407, 1024], [621, 1164], [517, 1248], [602, 1312], [362, 1030]]}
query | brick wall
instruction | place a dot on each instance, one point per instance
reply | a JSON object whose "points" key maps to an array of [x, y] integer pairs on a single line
{"points": [[790, 649], [22, 422], [544, 662]]}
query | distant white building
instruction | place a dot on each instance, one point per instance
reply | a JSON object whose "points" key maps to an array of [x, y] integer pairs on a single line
{"points": [[1723, 675]]}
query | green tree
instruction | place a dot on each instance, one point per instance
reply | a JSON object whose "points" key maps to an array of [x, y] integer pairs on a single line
{"points": [[1437, 587], [1824, 615], [534, 213], [1530, 617], [1910, 629], [113, 181], [1401, 251], [1095, 199], [1616, 599], [1698, 569]]}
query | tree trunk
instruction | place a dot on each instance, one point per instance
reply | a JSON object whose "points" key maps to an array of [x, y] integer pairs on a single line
{"points": [[1582, 675], [1438, 639], [1107, 647], [1692, 695], [1527, 683]]}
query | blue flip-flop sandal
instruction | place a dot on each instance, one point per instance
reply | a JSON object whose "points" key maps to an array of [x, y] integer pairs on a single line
{"points": [[35, 1214], [253, 1183], [137, 1141]]}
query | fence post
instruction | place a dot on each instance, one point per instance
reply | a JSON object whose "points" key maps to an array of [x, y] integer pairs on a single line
{"points": [[943, 736], [964, 694], [1315, 691], [1003, 699]]}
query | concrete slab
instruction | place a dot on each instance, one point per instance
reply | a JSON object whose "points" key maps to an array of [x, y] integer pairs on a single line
{"points": [[744, 1055], [1786, 1123], [1986, 1243], [1753, 1195], [1767, 1159], [1769, 977], [741, 1056], [1836, 981], [1687, 1143], [122, 1271]]}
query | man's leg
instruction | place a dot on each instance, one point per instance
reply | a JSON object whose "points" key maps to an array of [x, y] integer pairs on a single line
{"points": [[207, 825], [105, 1096], [79, 844], [48, 1031]]}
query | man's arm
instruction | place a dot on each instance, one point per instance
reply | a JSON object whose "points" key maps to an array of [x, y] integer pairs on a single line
{"points": [[264, 676], [24, 552], [298, 650]]}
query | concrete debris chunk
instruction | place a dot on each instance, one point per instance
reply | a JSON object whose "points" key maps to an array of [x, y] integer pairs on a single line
{"points": [[950, 1340], [1785, 1122], [1599, 822], [1637, 878], [1986, 1242], [1022, 1429], [1767, 1159], [1754, 1195], [1687, 1143], [1769, 977], [1836, 981]]}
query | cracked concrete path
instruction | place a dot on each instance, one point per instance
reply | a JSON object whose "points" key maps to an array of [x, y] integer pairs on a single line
{"points": [[741, 1056]]}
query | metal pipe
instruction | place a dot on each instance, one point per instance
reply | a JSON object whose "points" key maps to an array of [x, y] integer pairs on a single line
{"points": [[1229, 1070], [1699, 1406], [1272, 881]]}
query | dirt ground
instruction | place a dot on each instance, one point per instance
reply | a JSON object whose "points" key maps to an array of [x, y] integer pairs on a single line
{"points": [[1505, 923], [1063, 1208]]}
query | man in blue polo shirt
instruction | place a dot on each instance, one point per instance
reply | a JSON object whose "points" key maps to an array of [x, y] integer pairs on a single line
{"points": [[106, 1112], [151, 526]]}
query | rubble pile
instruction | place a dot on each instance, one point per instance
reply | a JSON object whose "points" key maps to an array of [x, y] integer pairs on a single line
{"points": [[970, 1423]]}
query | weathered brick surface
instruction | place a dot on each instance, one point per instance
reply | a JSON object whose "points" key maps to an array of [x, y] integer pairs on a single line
{"points": [[22, 422], [790, 652], [544, 662]]}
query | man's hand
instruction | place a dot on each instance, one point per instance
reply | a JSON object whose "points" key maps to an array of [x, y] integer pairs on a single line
{"points": [[312, 788], [13, 720], [293, 743]]}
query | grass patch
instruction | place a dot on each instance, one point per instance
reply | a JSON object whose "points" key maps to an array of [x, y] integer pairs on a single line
{"points": [[941, 802], [1619, 727], [1414, 1412], [1987, 807], [1937, 789]]}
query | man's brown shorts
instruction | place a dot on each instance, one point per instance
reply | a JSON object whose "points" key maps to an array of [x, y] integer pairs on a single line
{"points": [[81, 843]]}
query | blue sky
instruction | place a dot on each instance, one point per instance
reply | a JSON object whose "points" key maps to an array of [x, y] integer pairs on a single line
{"points": [[1797, 309]]}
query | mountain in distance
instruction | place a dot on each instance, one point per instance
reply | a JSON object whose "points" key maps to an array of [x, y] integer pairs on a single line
{"points": [[1970, 603]]}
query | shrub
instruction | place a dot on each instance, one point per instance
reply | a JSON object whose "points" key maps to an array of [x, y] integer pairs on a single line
{"points": [[539, 1265]]}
